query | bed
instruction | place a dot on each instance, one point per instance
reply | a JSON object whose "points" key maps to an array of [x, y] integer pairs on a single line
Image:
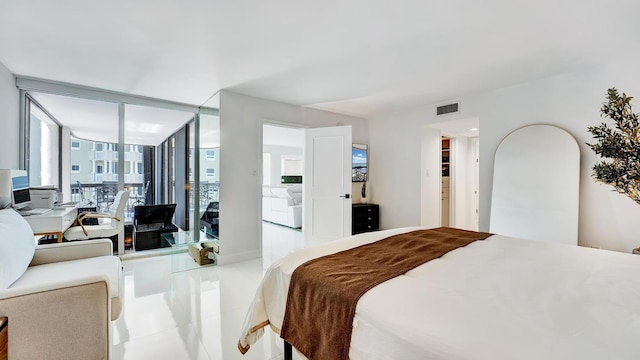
{"points": [[499, 298]]}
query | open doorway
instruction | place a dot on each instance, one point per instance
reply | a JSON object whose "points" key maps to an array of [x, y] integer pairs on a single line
{"points": [[282, 170], [450, 164]]}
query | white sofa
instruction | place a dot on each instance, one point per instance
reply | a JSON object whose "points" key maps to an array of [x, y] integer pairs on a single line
{"points": [[283, 205], [60, 298]]}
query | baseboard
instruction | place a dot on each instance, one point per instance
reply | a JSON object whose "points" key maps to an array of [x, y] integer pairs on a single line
{"points": [[239, 257]]}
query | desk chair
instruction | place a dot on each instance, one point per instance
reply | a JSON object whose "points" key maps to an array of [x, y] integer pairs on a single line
{"points": [[112, 224], [108, 194], [83, 200]]}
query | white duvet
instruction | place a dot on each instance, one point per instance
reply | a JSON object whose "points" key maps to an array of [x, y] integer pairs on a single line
{"points": [[499, 298]]}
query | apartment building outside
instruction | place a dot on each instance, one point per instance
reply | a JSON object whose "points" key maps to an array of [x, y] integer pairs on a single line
{"points": [[97, 162]]}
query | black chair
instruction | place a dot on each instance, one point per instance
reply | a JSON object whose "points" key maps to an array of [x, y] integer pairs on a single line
{"points": [[149, 223], [88, 209], [209, 220]]}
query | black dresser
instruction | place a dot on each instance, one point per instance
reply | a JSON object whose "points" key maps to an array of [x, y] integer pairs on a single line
{"points": [[365, 217]]}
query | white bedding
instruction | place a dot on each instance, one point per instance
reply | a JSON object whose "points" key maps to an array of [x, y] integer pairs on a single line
{"points": [[499, 298]]}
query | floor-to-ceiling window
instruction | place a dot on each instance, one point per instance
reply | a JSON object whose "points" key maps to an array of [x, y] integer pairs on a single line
{"points": [[94, 144], [43, 145], [148, 128], [88, 148], [209, 173], [95, 173]]}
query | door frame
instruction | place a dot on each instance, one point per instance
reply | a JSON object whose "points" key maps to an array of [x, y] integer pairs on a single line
{"points": [[455, 130], [263, 122]]}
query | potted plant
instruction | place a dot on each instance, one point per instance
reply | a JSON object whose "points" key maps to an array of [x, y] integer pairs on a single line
{"points": [[619, 146]]}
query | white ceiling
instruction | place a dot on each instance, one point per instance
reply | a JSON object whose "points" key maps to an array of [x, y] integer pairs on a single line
{"points": [[282, 136], [98, 120], [357, 57], [469, 127]]}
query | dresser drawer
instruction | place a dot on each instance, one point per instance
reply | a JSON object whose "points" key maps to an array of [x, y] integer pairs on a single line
{"points": [[365, 217], [360, 228], [365, 210]]}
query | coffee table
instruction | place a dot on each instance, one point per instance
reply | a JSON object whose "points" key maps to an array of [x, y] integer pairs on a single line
{"points": [[180, 241]]}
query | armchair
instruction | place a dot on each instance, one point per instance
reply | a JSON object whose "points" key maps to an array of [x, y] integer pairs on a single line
{"points": [[107, 229], [60, 298]]}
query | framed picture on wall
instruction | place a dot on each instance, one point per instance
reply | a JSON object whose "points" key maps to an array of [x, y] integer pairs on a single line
{"points": [[359, 163]]}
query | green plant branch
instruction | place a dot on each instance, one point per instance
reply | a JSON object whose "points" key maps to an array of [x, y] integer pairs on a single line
{"points": [[618, 145]]}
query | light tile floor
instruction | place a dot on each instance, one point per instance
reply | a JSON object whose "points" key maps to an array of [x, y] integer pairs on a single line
{"points": [[195, 314]]}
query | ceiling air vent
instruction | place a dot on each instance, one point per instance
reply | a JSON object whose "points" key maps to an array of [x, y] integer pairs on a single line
{"points": [[447, 109]]}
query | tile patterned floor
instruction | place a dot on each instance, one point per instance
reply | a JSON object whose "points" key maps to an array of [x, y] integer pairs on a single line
{"points": [[195, 314]]}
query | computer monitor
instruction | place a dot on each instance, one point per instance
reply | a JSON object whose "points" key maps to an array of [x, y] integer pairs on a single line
{"points": [[14, 189], [20, 197]]}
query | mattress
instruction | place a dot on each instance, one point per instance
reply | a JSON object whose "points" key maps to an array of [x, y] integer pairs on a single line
{"points": [[500, 298]]}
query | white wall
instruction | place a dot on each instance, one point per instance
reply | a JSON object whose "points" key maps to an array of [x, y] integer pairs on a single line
{"points": [[241, 120], [571, 101], [9, 120], [277, 153]]}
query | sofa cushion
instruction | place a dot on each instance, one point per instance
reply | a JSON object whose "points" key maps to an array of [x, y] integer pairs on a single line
{"points": [[279, 192], [17, 245], [295, 193], [46, 274], [294, 189], [95, 232]]}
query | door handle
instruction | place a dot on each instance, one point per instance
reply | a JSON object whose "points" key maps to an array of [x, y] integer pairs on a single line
{"points": [[346, 196]]}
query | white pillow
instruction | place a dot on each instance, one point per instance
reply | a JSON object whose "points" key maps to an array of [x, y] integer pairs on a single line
{"points": [[17, 246]]}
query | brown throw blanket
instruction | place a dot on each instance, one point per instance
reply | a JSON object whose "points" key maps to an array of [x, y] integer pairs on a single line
{"points": [[323, 293]]}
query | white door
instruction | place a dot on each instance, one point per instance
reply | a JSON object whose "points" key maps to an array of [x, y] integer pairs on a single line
{"points": [[327, 184]]}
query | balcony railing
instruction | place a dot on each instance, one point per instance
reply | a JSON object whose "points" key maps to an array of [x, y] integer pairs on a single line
{"points": [[208, 192], [100, 195]]}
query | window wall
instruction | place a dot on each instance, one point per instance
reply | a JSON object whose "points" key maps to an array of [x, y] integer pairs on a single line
{"points": [[210, 158], [204, 165], [142, 148], [191, 156], [43, 145], [94, 167]]}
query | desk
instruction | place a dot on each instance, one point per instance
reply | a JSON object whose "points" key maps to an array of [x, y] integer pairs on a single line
{"points": [[54, 222]]}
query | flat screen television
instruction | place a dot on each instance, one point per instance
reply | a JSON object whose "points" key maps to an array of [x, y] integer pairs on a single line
{"points": [[359, 163]]}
